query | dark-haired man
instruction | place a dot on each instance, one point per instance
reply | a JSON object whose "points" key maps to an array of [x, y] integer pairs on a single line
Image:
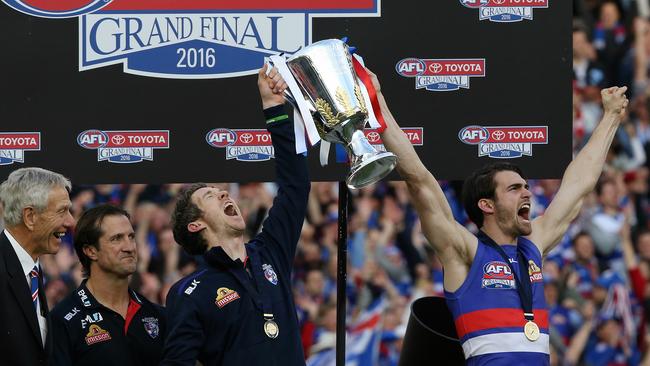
{"points": [[104, 322], [238, 309], [494, 285]]}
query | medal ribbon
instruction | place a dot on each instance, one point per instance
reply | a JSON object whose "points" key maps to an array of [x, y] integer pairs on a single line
{"points": [[264, 300], [260, 299], [524, 288]]}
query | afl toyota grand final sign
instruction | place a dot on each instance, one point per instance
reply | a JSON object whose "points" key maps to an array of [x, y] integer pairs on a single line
{"points": [[154, 91], [194, 38]]}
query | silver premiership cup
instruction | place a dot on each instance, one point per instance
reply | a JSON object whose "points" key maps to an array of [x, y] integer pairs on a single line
{"points": [[327, 79]]}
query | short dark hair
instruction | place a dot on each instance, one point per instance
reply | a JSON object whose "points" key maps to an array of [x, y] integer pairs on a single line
{"points": [[580, 26], [185, 212], [480, 185], [89, 230], [580, 234]]}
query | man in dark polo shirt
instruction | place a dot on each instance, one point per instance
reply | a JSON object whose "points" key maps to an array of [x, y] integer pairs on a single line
{"points": [[238, 309], [104, 322]]}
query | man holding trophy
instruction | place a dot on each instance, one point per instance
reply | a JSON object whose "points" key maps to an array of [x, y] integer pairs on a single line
{"points": [[238, 308], [500, 320]]}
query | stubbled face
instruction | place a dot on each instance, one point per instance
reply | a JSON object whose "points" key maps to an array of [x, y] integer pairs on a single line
{"points": [[51, 224], [220, 213], [117, 248], [512, 203]]}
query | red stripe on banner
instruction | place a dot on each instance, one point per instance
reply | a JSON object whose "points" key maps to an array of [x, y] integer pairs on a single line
{"points": [[58, 5], [497, 318], [240, 5], [372, 93], [369, 323]]}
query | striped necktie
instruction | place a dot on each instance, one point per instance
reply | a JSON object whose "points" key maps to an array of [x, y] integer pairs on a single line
{"points": [[34, 284]]}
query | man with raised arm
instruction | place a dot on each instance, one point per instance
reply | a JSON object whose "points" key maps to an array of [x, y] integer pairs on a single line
{"points": [[238, 309], [493, 283]]}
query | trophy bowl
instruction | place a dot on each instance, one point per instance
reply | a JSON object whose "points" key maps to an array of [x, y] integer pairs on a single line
{"points": [[328, 82]]}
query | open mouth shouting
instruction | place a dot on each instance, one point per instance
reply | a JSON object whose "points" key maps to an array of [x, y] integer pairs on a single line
{"points": [[524, 212], [230, 209]]}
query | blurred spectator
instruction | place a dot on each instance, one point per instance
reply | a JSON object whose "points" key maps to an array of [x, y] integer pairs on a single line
{"points": [[605, 225]]}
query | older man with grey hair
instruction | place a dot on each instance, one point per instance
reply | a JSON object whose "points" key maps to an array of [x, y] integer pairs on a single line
{"points": [[36, 215]]}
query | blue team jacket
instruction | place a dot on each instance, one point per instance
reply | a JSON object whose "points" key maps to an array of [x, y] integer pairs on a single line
{"points": [[214, 316]]}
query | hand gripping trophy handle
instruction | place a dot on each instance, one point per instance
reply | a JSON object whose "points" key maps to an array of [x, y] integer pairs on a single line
{"points": [[328, 82]]}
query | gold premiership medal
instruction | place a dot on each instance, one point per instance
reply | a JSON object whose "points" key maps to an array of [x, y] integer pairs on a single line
{"points": [[531, 331], [272, 330]]}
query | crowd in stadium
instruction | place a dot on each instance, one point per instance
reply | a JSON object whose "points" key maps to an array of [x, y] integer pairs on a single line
{"points": [[596, 280]]}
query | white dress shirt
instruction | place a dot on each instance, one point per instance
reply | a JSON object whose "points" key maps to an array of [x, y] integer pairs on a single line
{"points": [[27, 263]]}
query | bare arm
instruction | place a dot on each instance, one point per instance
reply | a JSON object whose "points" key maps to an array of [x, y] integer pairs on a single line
{"points": [[640, 56], [581, 175], [451, 241], [628, 248], [580, 339]]}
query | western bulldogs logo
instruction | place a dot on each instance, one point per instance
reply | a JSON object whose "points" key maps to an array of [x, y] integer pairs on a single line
{"points": [[504, 142], [441, 74], [505, 11], [151, 326], [191, 38], [270, 274], [242, 145], [497, 275], [56, 9], [124, 146], [14, 144]]}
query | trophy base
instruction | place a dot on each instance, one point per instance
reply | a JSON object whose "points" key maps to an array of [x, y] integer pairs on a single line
{"points": [[371, 170]]}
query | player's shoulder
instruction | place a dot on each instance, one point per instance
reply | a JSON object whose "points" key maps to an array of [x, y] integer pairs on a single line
{"points": [[190, 285], [67, 309]]}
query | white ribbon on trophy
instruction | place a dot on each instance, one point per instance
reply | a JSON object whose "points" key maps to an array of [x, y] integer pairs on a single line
{"points": [[302, 117], [327, 86]]}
